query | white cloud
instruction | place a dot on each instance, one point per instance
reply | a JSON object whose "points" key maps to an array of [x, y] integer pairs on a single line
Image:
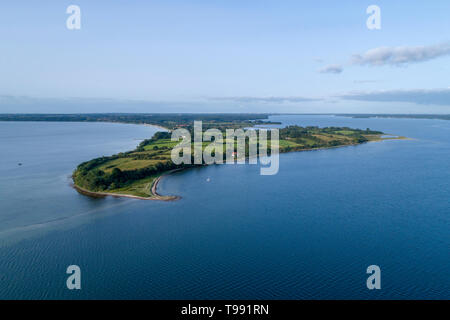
{"points": [[401, 55], [333, 68]]}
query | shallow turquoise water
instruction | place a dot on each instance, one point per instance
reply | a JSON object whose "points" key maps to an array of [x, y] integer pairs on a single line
{"points": [[308, 232]]}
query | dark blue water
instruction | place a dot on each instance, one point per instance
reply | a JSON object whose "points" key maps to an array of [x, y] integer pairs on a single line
{"points": [[308, 232]]}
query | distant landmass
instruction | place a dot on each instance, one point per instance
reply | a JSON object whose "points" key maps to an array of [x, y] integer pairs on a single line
{"points": [[409, 116], [170, 120], [166, 120]]}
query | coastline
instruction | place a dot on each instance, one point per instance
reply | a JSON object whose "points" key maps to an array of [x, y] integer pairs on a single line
{"points": [[149, 125], [153, 189]]}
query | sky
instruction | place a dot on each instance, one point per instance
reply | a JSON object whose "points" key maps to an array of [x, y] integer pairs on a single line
{"points": [[225, 56]]}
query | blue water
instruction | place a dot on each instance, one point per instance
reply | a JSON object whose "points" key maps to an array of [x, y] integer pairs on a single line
{"points": [[308, 232]]}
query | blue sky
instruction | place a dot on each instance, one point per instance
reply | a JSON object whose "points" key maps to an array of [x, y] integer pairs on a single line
{"points": [[225, 56]]}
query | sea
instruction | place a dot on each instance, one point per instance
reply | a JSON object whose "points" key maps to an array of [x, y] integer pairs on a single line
{"points": [[308, 232]]}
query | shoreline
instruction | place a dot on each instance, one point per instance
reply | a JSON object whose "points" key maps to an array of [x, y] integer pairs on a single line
{"points": [[147, 124], [153, 189], [154, 186]]}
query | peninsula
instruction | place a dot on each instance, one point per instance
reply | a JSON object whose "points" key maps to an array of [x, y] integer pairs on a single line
{"points": [[136, 173]]}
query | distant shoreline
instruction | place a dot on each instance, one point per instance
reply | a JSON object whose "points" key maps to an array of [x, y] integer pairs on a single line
{"points": [[146, 124]]}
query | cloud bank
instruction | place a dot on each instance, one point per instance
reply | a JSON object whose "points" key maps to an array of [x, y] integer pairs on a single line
{"points": [[393, 56], [397, 56], [419, 96], [264, 99], [333, 68]]}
